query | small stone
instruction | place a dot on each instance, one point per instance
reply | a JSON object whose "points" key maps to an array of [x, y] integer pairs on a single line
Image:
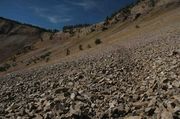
{"points": [[48, 115], [150, 111], [152, 102], [93, 105], [133, 117], [60, 90], [175, 52], [118, 112], [19, 117], [70, 84], [166, 115], [48, 106], [112, 104], [176, 84], [38, 116], [176, 115], [72, 96]]}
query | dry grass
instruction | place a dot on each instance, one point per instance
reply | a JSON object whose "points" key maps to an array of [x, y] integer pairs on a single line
{"points": [[119, 32]]}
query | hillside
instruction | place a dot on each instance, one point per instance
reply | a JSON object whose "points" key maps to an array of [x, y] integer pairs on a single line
{"points": [[132, 72], [36, 47], [17, 38]]}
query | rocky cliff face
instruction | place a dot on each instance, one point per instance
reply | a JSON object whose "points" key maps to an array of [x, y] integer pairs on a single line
{"points": [[15, 36]]}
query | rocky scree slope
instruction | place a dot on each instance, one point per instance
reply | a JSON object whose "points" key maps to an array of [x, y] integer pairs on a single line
{"points": [[127, 81]]}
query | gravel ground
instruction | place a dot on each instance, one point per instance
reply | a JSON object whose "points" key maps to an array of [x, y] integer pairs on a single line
{"points": [[133, 79]]}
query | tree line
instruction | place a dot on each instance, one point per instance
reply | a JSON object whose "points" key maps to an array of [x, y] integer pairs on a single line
{"points": [[69, 27]]}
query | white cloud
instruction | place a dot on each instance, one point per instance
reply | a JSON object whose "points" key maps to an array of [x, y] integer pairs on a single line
{"points": [[86, 4], [57, 17]]}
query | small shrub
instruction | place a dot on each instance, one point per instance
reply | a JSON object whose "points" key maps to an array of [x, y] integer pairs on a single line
{"points": [[67, 52], [28, 63], [98, 41], [104, 28], [51, 36], [80, 47], [4, 67], [14, 64], [34, 60], [152, 2], [89, 46], [137, 26], [13, 59], [47, 59], [41, 39], [137, 16], [92, 30], [45, 55]]}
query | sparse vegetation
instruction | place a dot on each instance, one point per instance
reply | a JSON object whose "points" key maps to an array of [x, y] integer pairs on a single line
{"points": [[92, 30], [89, 46], [47, 59], [13, 58], [28, 63], [41, 39], [4, 67], [45, 55], [98, 41], [107, 21], [80, 47], [70, 28], [25, 49], [126, 11], [137, 16], [137, 26], [104, 28], [67, 52], [14, 64], [51, 37], [152, 2]]}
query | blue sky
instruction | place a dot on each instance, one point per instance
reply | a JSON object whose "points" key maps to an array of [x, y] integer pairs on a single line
{"points": [[58, 13]]}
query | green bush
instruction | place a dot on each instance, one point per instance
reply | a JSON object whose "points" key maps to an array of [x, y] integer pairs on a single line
{"points": [[5, 67], [2, 69]]}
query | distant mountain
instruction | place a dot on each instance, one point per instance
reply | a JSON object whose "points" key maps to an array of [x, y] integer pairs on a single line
{"points": [[14, 36]]}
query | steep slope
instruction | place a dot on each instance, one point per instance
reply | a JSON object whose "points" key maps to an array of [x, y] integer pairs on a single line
{"points": [[134, 79], [44, 48], [133, 74]]}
